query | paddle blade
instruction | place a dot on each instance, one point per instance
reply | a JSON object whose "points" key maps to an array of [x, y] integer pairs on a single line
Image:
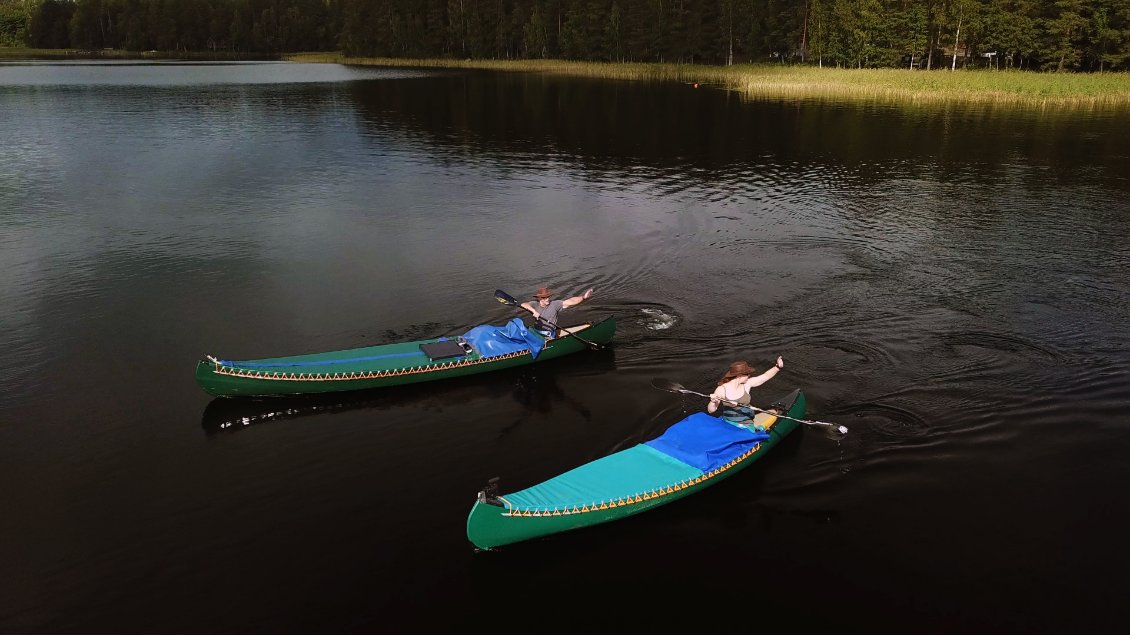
{"points": [[834, 432], [505, 298], [668, 385]]}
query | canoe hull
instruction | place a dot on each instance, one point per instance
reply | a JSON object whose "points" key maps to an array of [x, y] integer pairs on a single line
{"points": [[490, 525], [221, 380]]}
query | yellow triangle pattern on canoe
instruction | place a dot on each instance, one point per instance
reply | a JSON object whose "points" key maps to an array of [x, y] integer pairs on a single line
{"points": [[249, 373]]}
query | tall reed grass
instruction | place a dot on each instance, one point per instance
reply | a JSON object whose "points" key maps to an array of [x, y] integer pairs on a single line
{"points": [[989, 87]]}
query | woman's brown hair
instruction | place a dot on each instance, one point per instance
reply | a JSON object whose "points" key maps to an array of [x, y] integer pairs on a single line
{"points": [[736, 369]]}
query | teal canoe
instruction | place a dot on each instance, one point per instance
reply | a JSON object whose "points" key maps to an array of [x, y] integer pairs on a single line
{"points": [[690, 456], [483, 349]]}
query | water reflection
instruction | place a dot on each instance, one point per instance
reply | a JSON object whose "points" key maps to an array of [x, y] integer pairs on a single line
{"points": [[722, 146], [541, 395], [947, 283], [539, 392]]}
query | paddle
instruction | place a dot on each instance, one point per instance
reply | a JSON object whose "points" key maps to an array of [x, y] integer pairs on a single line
{"points": [[670, 386], [507, 299]]}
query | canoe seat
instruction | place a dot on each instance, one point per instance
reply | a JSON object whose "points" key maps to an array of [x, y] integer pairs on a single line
{"points": [[764, 419], [560, 331]]}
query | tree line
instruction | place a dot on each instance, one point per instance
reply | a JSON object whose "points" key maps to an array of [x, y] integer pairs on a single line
{"points": [[1081, 35]]}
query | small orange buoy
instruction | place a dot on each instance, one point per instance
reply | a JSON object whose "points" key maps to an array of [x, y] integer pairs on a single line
{"points": [[696, 84]]}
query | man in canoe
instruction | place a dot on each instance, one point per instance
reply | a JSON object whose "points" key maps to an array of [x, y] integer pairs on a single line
{"points": [[546, 310], [734, 387]]}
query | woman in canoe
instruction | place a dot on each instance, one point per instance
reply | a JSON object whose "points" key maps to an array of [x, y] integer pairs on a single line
{"points": [[734, 386], [546, 310]]}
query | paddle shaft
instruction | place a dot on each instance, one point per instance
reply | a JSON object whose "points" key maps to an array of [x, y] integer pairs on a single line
{"points": [[755, 409], [506, 298]]}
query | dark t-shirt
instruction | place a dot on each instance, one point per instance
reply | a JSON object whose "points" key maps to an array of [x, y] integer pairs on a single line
{"points": [[549, 314]]}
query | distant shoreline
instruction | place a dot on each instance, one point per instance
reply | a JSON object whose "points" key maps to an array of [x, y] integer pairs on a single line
{"points": [[13, 54], [1025, 89], [1022, 89]]}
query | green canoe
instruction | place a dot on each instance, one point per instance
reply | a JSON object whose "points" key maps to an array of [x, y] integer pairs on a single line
{"points": [[690, 456], [394, 364]]}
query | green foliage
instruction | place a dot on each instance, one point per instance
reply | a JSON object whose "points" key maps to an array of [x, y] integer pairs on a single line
{"points": [[186, 25], [1080, 35], [15, 21], [535, 36], [49, 25], [1064, 31]]}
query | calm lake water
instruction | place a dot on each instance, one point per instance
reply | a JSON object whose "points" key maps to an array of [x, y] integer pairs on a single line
{"points": [[949, 283]]}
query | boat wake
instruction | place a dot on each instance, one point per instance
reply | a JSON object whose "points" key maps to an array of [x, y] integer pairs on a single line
{"points": [[657, 320]]}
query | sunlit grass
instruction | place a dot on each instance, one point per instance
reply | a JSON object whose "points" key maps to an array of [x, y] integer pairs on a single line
{"points": [[1005, 88]]}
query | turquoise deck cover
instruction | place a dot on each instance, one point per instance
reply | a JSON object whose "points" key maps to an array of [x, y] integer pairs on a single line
{"points": [[340, 360], [698, 444]]}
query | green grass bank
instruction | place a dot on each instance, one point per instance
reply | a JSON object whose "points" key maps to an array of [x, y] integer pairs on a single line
{"points": [[999, 88]]}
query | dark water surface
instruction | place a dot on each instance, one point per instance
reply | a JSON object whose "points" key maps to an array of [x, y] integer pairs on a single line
{"points": [[949, 283]]}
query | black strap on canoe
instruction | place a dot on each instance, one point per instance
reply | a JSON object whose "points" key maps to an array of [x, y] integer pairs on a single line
{"points": [[489, 494]]}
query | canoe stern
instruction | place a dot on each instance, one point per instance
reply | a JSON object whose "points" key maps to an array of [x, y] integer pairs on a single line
{"points": [[495, 520]]}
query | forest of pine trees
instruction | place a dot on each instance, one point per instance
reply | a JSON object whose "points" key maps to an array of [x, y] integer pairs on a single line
{"points": [[1057, 35]]}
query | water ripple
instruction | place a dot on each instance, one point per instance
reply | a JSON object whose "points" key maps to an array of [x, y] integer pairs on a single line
{"points": [[823, 354], [886, 421], [998, 342]]}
